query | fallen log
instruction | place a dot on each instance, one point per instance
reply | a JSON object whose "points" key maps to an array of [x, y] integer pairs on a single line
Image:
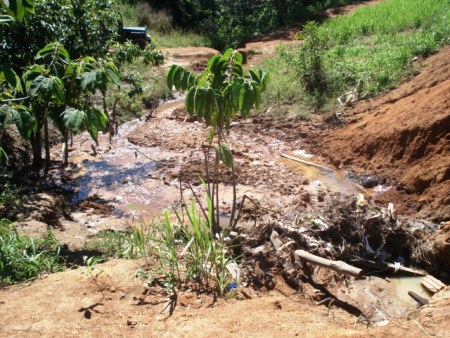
{"points": [[338, 266]]}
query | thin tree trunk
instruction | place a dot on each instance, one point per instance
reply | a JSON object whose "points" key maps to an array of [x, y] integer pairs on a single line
{"points": [[47, 147], [37, 150], [66, 150]]}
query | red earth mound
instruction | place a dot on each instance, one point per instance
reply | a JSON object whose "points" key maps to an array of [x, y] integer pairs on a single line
{"points": [[405, 136]]}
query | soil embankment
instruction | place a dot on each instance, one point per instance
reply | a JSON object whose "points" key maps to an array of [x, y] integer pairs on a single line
{"points": [[405, 136]]}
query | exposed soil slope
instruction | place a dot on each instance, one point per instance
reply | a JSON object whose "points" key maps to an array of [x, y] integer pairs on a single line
{"points": [[404, 135]]}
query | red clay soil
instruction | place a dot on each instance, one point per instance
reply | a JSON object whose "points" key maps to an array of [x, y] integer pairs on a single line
{"points": [[404, 135], [70, 304]]}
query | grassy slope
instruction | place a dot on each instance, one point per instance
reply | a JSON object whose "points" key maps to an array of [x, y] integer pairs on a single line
{"points": [[374, 46]]}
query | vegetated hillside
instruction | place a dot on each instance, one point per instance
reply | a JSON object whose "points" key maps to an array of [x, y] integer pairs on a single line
{"points": [[404, 135]]}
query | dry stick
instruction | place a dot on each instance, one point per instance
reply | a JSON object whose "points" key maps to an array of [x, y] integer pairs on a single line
{"points": [[47, 146], [206, 153], [421, 327]]}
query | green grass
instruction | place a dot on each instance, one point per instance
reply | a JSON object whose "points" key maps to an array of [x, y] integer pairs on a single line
{"points": [[23, 258], [176, 38], [128, 245], [388, 17], [374, 46], [129, 14]]}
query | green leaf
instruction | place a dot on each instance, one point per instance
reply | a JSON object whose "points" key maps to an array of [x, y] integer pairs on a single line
{"points": [[210, 106], [225, 154], [5, 19], [246, 99], [5, 116], [236, 91], [48, 88], [74, 119], [25, 121], [29, 6], [177, 78], [16, 9], [11, 78], [3, 156], [189, 101], [213, 63], [257, 90], [169, 76], [112, 73], [199, 101], [51, 50], [96, 121], [89, 80]]}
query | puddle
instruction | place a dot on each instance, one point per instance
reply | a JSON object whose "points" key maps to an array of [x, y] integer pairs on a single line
{"points": [[334, 180], [121, 173], [404, 284]]}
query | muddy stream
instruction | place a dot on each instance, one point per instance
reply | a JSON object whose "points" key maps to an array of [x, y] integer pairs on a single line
{"points": [[132, 177]]}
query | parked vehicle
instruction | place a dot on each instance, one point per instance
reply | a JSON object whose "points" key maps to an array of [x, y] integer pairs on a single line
{"points": [[137, 35]]}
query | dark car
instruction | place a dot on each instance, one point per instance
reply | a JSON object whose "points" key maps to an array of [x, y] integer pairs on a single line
{"points": [[138, 35]]}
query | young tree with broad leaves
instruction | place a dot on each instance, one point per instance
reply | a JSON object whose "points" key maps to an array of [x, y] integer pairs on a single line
{"points": [[218, 96]]}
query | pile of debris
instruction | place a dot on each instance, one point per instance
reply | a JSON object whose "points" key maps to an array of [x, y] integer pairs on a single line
{"points": [[350, 238]]}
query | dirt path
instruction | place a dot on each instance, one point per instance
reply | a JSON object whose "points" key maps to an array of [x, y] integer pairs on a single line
{"points": [[70, 304]]}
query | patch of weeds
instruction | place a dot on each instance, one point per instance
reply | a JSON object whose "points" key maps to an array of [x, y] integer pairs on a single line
{"points": [[90, 269], [190, 254], [23, 258], [179, 38], [128, 245]]}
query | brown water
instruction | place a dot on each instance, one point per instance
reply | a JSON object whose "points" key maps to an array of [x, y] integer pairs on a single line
{"points": [[121, 173], [404, 284], [333, 179]]}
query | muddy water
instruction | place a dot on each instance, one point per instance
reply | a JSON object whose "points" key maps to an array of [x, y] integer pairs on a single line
{"points": [[404, 284], [318, 174], [122, 173]]}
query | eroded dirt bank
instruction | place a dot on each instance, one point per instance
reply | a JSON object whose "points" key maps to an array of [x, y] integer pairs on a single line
{"points": [[405, 136]]}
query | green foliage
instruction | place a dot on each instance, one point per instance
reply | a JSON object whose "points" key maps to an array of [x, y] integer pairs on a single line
{"points": [[23, 257], [364, 53], [216, 96], [191, 253], [10, 196], [230, 23], [129, 245], [220, 92]]}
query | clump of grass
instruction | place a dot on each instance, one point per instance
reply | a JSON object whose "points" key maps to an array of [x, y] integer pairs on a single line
{"points": [[23, 258], [367, 52], [191, 253], [129, 13], [128, 245], [156, 20]]}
